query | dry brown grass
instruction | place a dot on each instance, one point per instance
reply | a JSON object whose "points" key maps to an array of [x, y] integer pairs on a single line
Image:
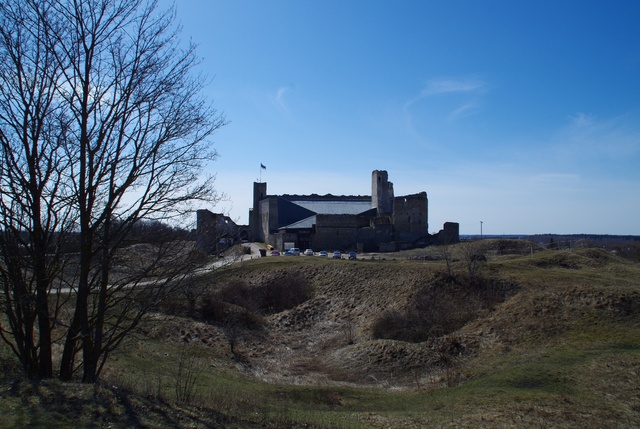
{"points": [[560, 349]]}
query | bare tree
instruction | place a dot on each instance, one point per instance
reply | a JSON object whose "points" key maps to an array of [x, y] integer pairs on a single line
{"points": [[186, 375], [473, 255], [130, 131], [445, 251], [36, 210]]}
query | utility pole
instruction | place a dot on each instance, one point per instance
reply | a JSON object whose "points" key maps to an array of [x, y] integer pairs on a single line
{"points": [[480, 230]]}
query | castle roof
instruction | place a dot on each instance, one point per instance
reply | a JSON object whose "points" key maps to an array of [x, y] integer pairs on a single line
{"points": [[302, 224], [341, 205], [327, 204]]}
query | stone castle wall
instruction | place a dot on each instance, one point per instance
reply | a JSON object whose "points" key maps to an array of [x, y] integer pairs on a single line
{"points": [[381, 192], [259, 193], [269, 218], [335, 232], [215, 232], [449, 234], [410, 217]]}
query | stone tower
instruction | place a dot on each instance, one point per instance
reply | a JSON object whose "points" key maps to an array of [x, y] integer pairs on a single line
{"points": [[381, 193], [255, 227]]}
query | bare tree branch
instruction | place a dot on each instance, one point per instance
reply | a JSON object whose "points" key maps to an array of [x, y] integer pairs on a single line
{"points": [[102, 126]]}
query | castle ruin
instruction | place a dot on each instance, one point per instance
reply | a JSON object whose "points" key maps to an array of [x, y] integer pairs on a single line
{"points": [[381, 222]]}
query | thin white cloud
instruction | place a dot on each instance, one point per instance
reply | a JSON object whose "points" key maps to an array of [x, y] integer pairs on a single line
{"points": [[617, 137], [463, 110], [279, 100], [466, 93], [448, 86]]}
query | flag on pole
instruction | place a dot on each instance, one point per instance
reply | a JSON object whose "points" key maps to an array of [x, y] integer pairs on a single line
{"points": [[263, 167]]}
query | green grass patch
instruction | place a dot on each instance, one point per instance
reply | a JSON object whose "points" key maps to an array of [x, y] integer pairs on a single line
{"points": [[545, 374], [594, 333]]}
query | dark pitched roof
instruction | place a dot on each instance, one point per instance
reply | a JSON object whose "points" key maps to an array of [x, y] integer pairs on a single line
{"points": [[337, 206], [302, 224]]}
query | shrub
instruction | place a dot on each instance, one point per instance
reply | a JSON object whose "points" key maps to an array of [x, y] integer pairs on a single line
{"points": [[283, 293], [237, 292], [216, 311], [241, 305], [441, 307], [211, 309], [391, 324]]}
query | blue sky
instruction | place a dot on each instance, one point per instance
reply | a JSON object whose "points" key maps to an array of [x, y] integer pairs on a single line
{"points": [[522, 115]]}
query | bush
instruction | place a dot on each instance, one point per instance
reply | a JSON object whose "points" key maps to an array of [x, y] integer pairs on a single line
{"points": [[239, 304], [212, 309], [441, 307], [283, 293], [391, 324], [218, 312], [239, 293]]}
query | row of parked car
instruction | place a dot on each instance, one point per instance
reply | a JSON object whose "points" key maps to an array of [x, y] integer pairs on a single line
{"points": [[294, 251]]}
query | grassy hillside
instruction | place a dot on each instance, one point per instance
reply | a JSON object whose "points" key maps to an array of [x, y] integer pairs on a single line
{"points": [[527, 338]]}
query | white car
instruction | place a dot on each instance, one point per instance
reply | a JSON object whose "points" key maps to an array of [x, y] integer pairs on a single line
{"points": [[295, 251], [308, 252]]}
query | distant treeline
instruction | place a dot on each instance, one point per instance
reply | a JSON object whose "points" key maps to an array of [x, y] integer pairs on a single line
{"points": [[540, 238], [545, 238], [144, 231], [627, 246]]}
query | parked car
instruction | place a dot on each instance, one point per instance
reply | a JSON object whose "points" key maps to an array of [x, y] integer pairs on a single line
{"points": [[352, 255], [308, 252], [275, 253], [323, 253], [337, 255], [288, 253], [295, 251]]}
